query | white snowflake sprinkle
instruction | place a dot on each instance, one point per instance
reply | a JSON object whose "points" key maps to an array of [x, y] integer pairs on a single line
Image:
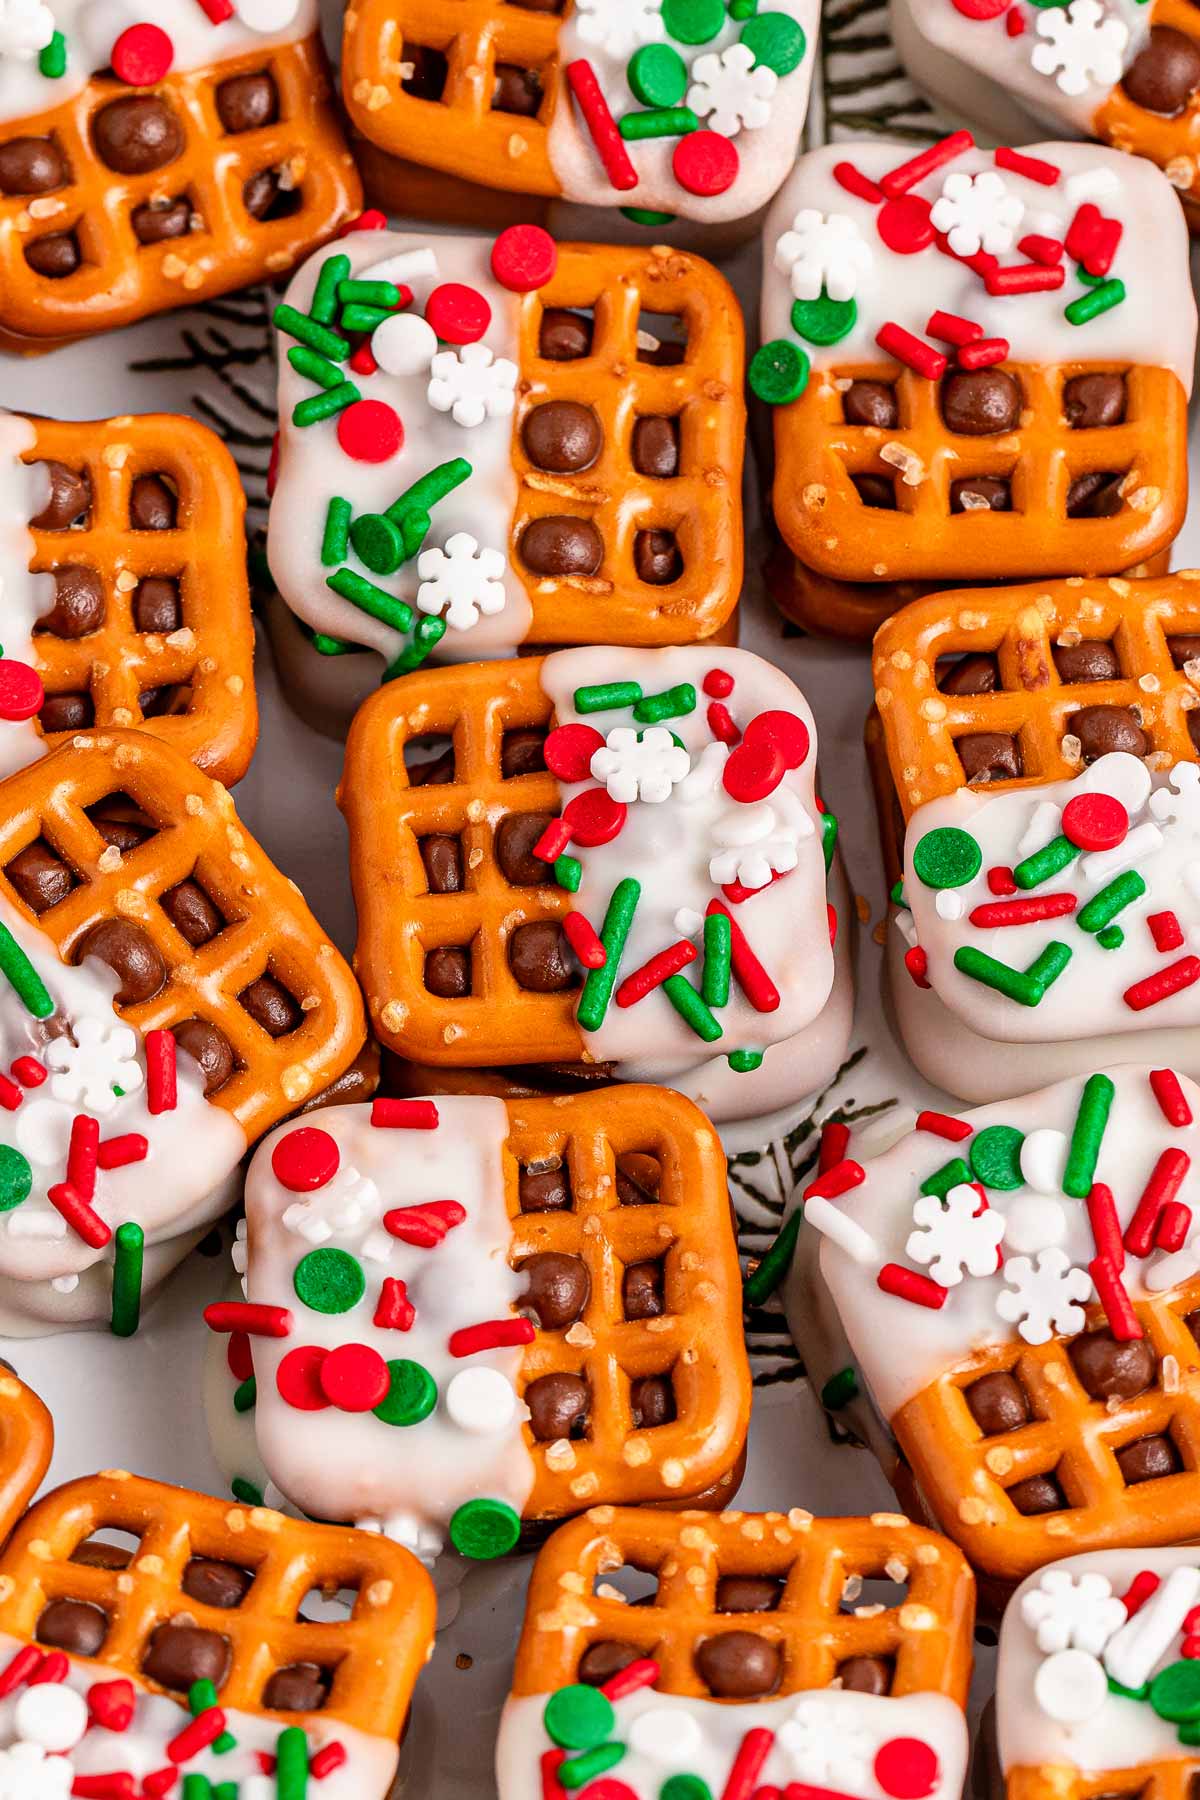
{"points": [[964, 1234], [102, 1059], [823, 251], [27, 1773], [825, 1746], [640, 767], [619, 27], [472, 384], [461, 582], [1082, 46], [1178, 803], [977, 212], [26, 28], [753, 865], [730, 92], [1043, 1297], [345, 1207], [1072, 1612]]}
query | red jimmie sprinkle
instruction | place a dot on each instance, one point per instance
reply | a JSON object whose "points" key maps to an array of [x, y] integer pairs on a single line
{"points": [[916, 962], [404, 1115], [426, 1225], [601, 126], [491, 1334], [162, 1094], [839, 1180], [748, 972], [899, 180], [553, 841], [1034, 168], [835, 1141], [856, 183], [995, 914], [905, 224], [371, 220], [1118, 1308], [305, 1160], [1001, 880], [217, 10], [1166, 931], [459, 314], [1190, 1648], [10, 1094], [720, 723], [119, 1152], [1166, 1088], [79, 1216], [552, 1787], [111, 1704], [1014, 24], [1041, 249], [906, 1284], [239, 1356], [1174, 1222], [161, 1782], [120, 1785], [642, 1673], [652, 974], [748, 1764], [52, 1669], [580, 933], [705, 163], [142, 55], [328, 1758], [21, 691], [1024, 278], [951, 329], [524, 257], [980, 9], [1144, 1583], [718, 684], [593, 817], [81, 1155], [29, 1071], [354, 1378], [944, 1126], [984, 354], [370, 431], [254, 1320], [1166, 1179], [911, 351], [363, 361], [197, 1735], [18, 1669], [395, 1311], [1160, 986], [737, 891], [569, 750], [1105, 1225]]}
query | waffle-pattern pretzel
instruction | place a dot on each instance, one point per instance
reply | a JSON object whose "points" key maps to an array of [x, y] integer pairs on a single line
{"points": [[120, 279], [1021, 627], [212, 654], [26, 1446], [1154, 1780], [267, 929]]}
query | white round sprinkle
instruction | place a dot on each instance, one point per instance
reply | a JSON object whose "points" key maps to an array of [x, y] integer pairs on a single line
{"points": [[481, 1401], [1034, 1223], [1120, 774], [405, 344], [1071, 1686], [52, 1715], [662, 1735], [688, 923], [266, 15], [1043, 1160], [948, 904]]}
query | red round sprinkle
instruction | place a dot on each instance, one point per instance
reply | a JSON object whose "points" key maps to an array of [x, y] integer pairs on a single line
{"points": [[459, 315], [354, 1377], [21, 690], [239, 1356], [569, 750], [524, 258], [305, 1159], [754, 770], [594, 817], [1095, 821], [298, 1378], [904, 224], [370, 431], [142, 55], [718, 685], [705, 163], [906, 1768], [783, 729], [981, 9], [371, 220]]}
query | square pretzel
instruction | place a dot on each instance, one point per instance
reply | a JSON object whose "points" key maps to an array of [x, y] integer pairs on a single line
{"points": [[116, 278], [119, 671]]}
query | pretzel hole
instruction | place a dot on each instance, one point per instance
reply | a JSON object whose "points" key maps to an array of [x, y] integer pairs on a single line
{"points": [[247, 102], [1035, 1495], [559, 1407], [272, 1005], [998, 1403], [153, 502], [121, 821], [989, 756], [652, 1401], [982, 493], [662, 338], [429, 761], [33, 166], [1096, 494], [272, 194], [55, 255], [40, 875], [643, 1289], [566, 334], [326, 1606], [299, 1687], [193, 911], [164, 219], [71, 711], [442, 860], [743, 1593], [654, 445], [515, 838], [875, 491], [69, 505], [628, 1585], [639, 1175], [1151, 1457], [107, 1549], [1102, 729], [977, 673], [540, 959], [178, 1654], [157, 605], [539, 6], [545, 1186], [76, 1626], [1092, 659], [171, 701], [871, 403], [1095, 400], [522, 752], [866, 1596], [448, 971], [657, 556], [518, 90], [213, 1581], [866, 1674], [740, 1665], [429, 71]]}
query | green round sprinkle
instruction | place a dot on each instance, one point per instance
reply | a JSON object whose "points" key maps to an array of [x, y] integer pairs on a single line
{"points": [[778, 372], [411, 1396], [658, 75], [484, 1529], [684, 1787], [1111, 938], [744, 1062], [578, 1717], [1175, 1692], [824, 321], [646, 215], [693, 21], [776, 40], [16, 1178], [947, 858], [840, 1390], [329, 1281], [378, 543], [996, 1156]]}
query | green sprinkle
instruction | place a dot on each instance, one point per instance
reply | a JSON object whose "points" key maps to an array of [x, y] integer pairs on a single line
{"points": [[607, 695], [999, 976], [16, 1178], [824, 321], [775, 1264], [947, 858], [1103, 907], [22, 977], [578, 1717], [315, 368], [1101, 299], [742, 9], [245, 1491], [245, 1396], [693, 21], [291, 1764], [674, 703], [371, 599], [411, 1395], [325, 645], [1081, 274], [691, 1008], [897, 896], [329, 1280], [336, 537], [577, 1770], [225, 1790], [433, 486], [1046, 968], [657, 75], [369, 293], [197, 1787], [324, 406], [1128, 1693], [718, 952], [829, 837], [1111, 938], [996, 1157], [378, 542], [568, 872], [598, 987], [645, 215], [364, 318], [1175, 1692], [776, 40], [1087, 1136], [129, 1247], [426, 638], [684, 1787], [334, 271], [778, 372], [415, 528], [660, 122], [311, 332], [1189, 1733], [744, 1062], [1044, 863], [201, 1695], [840, 1390], [485, 1529], [52, 61], [951, 1175]]}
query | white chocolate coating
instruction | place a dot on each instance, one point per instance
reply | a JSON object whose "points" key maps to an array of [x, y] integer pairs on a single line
{"points": [[24, 597]]}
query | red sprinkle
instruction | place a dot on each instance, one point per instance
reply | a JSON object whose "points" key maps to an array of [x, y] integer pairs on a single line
{"points": [[29, 1071], [218, 11], [786, 731], [119, 1152], [142, 55], [1166, 1179], [79, 1216], [1144, 1583], [552, 1787], [82, 1155], [911, 351], [718, 685], [1105, 1225], [298, 1379], [984, 354], [943, 1125], [197, 1735], [601, 126], [748, 1764], [834, 1182], [1034, 168], [239, 1356], [953, 330], [1174, 1222], [905, 224], [1163, 983], [580, 933], [899, 180], [906, 1768], [459, 314], [425, 1225], [705, 163], [404, 1115], [736, 891], [524, 257], [491, 1334], [1014, 25], [118, 1786], [753, 771], [720, 723], [21, 691], [593, 817], [553, 841], [1024, 278], [980, 9], [52, 1669], [395, 1311], [363, 361], [10, 1094], [370, 220], [1095, 821], [328, 1758], [354, 1378], [162, 1092], [995, 914], [305, 1160], [916, 962], [906, 1284], [370, 431], [1001, 880], [244, 1315], [1165, 1086], [856, 183], [835, 1141], [1190, 1648], [569, 750], [1118, 1308], [18, 1669], [749, 973], [1166, 931], [1041, 249], [111, 1704], [635, 1675]]}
